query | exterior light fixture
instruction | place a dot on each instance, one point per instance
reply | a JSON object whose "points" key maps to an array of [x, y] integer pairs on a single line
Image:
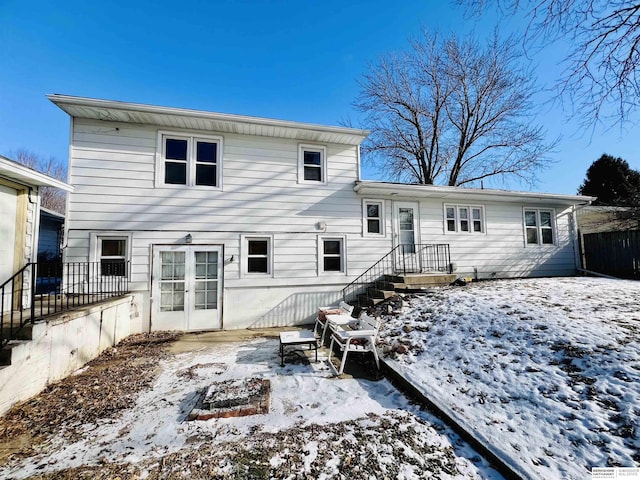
{"points": [[188, 238]]}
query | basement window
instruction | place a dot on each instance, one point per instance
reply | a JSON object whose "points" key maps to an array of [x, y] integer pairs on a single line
{"points": [[110, 253]]}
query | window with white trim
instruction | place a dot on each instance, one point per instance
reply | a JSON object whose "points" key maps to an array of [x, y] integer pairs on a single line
{"points": [[312, 164], [464, 218], [193, 161], [373, 212], [111, 252], [332, 255], [539, 226], [258, 255]]}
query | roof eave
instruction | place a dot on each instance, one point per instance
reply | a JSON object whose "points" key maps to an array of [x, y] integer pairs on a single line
{"points": [[27, 176], [66, 101], [436, 191]]}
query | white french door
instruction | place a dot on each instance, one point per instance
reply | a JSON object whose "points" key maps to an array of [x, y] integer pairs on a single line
{"points": [[186, 287]]}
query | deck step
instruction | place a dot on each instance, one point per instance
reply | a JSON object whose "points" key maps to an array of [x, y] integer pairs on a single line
{"points": [[420, 280], [367, 301], [382, 294]]}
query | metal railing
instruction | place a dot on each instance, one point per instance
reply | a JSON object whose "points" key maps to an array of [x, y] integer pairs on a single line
{"points": [[402, 260], [45, 288]]}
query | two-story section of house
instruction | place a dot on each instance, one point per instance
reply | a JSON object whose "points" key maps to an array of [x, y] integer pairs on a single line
{"points": [[220, 221], [229, 221]]}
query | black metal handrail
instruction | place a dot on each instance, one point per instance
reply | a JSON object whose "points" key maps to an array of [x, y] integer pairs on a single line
{"points": [[401, 260], [12, 301], [40, 289]]}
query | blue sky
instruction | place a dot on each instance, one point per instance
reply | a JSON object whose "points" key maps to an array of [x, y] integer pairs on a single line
{"points": [[294, 60]]}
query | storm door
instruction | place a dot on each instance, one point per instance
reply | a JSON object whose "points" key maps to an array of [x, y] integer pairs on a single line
{"points": [[406, 236]]}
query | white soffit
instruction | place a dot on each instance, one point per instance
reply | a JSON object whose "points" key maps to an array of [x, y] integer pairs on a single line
{"points": [[29, 177], [399, 190], [169, 117]]}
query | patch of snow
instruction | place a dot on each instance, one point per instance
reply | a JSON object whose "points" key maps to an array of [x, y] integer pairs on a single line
{"points": [[548, 370], [304, 397]]}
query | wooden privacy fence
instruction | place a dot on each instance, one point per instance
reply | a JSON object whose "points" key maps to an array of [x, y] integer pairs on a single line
{"points": [[613, 253]]}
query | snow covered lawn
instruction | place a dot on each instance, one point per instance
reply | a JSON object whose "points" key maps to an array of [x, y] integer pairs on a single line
{"points": [[548, 370], [317, 427]]}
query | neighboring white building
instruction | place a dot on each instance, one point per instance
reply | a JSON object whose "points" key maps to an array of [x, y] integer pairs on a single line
{"points": [[228, 221], [19, 217]]}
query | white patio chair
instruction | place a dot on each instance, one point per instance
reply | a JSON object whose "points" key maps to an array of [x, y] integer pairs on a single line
{"points": [[321, 319], [360, 340]]}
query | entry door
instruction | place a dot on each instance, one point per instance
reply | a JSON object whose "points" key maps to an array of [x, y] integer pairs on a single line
{"points": [[187, 287], [8, 209], [406, 235]]}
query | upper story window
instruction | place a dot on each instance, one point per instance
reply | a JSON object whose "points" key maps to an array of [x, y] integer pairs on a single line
{"points": [[312, 164], [189, 161], [373, 217], [539, 226], [464, 218]]}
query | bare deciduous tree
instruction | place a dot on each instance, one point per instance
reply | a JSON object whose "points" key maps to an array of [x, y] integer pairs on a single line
{"points": [[453, 112], [50, 197], [602, 64]]}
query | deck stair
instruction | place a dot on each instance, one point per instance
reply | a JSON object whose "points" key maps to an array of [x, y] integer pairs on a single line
{"points": [[389, 285], [407, 267], [417, 281]]}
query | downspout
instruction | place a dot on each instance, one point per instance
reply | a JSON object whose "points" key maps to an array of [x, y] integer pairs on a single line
{"points": [[359, 174], [65, 225], [35, 234], [577, 240]]}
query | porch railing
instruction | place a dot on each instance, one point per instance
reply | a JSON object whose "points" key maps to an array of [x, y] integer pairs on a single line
{"points": [[44, 288], [402, 260]]}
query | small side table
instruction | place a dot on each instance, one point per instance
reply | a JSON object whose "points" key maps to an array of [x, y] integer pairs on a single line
{"points": [[298, 337]]}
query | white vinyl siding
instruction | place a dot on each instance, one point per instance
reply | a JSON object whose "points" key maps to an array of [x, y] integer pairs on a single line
{"points": [[464, 219], [113, 173], [501, 252]]}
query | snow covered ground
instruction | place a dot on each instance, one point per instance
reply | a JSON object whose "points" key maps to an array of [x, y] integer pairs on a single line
{"points": [[317, 427], [548, 370]]}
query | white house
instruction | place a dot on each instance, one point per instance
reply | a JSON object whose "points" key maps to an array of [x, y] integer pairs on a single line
{"points": [[19, 218], [229, 221]]}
